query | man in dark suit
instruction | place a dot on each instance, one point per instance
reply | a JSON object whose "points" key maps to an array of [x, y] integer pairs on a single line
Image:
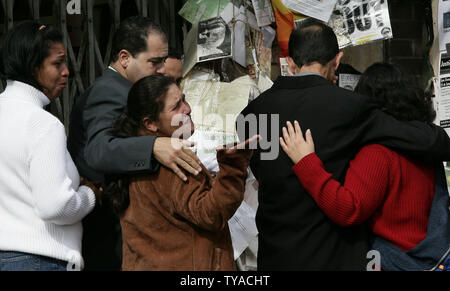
{"points": [[294, 234], [139, 49]]}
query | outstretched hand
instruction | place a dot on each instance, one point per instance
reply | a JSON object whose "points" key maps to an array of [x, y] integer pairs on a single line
{"points": [[174, 153], [293, 143], [247, 144]]}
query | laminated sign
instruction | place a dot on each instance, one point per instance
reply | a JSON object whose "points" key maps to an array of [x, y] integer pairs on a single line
{"points": [[357, 22]]}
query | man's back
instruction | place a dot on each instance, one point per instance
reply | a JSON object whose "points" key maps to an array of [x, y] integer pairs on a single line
{"points": [[294, 234]]}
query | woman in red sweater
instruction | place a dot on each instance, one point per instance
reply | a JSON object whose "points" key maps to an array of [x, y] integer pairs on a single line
{"points": [[392, 191]]}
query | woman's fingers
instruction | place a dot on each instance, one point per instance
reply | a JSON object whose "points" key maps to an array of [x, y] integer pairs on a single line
{"points": [[296, 134], [286, 136], [283, 145], [298, 129], [290, 129], [309, 138]]}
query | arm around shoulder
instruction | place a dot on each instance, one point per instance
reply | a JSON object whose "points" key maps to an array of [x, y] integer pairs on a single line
{"points": [[424, 140], [106, 153]]}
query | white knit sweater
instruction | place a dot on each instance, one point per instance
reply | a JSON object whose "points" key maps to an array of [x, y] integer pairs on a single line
{"points": [[41, 203]]}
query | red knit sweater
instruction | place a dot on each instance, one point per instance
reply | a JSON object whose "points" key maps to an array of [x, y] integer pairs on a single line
{"points": [[394, 192]]}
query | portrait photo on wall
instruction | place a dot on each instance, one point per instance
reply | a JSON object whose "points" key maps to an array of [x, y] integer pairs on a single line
{"points": [[214, 40]]}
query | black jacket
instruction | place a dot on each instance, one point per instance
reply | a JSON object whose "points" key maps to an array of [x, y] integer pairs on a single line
{"points": [[294, 234]]}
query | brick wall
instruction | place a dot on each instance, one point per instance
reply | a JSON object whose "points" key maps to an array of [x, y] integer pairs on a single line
{"points": [[408, 47]]}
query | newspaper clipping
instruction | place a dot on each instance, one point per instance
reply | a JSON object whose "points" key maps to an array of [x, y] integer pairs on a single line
{"points": [[357, 22], [443, 93], [348, 81], [318, 9], [214, 40]]}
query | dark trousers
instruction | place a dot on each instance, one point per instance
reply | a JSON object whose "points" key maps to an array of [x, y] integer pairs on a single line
{"points": [[102, 240]]}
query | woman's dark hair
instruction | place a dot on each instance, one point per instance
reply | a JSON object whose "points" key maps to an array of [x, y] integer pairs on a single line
{"points": [[145, 99], [24, 50], [396, 93]]}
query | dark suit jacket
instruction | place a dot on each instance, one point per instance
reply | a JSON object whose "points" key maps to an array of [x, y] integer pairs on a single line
{"points": [[294, 234], [94, 151]]}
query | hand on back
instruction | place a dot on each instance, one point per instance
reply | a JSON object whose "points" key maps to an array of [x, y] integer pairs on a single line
{"points": [[293, 143]]}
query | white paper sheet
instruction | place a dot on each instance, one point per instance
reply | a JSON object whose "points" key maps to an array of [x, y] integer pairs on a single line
{"points": [[211, 8], [263, 12], [242, 228], [264, 82], [363, 20], [269, 35], [190, 49], [444, 103], [443, 93], [348, 81], [237, 26], [319, 9]]}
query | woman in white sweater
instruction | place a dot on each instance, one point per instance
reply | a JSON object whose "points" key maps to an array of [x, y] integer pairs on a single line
{"points": [[41, 202]]}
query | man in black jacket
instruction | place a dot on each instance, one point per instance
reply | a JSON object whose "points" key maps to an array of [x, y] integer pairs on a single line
{"points": [[139, 49], [294, 234]]}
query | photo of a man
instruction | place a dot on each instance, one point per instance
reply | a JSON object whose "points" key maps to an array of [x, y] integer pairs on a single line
{"points": [[214, 40]]}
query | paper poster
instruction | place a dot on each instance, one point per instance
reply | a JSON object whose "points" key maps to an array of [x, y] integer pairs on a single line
{"points": [[242, 228], [348, 81], [337, 23], [357, 22], [238, 28], [190, 49], [264, 12], [319, 9], [214, 40], [215, 105], [284, 67], [443, 93], [443, 23], [209, 8], [206, 143], [444, 103]]}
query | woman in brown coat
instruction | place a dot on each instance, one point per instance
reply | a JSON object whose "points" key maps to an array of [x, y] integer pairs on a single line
{"points": [[167, 223]]}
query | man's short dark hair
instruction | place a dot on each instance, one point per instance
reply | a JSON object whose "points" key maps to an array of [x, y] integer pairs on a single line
{"points": [[24, 50], [312, 41], [132, 36]]}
